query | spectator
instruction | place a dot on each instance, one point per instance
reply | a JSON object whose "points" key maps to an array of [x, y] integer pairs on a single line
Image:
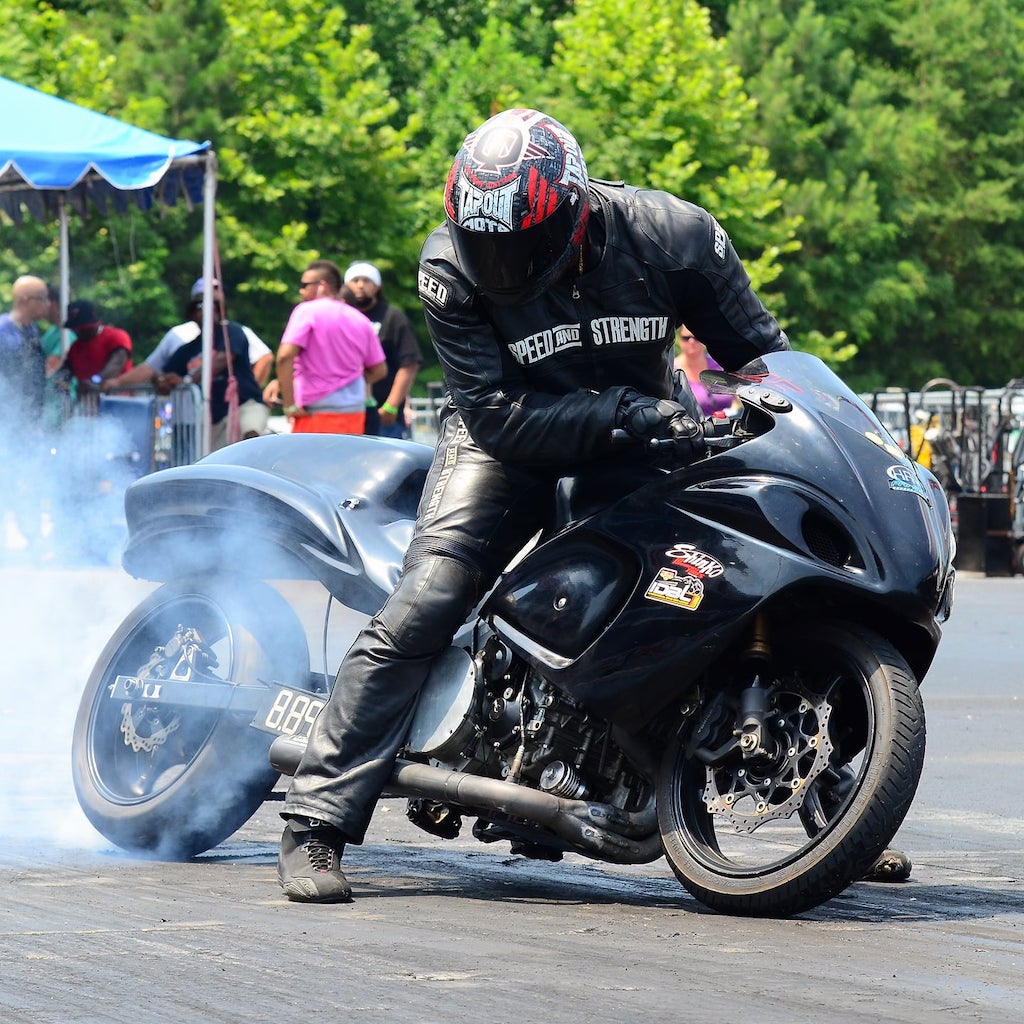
{"points": [[98, 353], [261, 358], [52, 340], [59, 396], [22, 387], [22, 362], [328, 354], [385, 415], [177, 361], [692, 357]]}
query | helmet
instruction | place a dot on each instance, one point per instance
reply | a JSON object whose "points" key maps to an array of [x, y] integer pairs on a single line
{"points": [[517, 206]]}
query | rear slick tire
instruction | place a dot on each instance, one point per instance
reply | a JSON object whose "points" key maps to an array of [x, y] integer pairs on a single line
{"points": [[853, 698], [200, 773]]}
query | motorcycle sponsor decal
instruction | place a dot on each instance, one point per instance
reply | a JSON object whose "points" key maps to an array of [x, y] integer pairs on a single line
{"points": [[681, 590], [545, 343], [904, 478], [626, 330], [697, 563], [433, 290]]}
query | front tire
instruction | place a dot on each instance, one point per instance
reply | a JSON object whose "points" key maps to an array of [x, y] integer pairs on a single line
{"points": [[778, 838], [173, 781]]}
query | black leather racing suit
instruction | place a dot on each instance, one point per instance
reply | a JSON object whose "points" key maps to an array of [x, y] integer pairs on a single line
{"points": [[532, 395]]}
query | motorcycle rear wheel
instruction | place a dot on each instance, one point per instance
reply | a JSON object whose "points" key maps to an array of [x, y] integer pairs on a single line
{"points": [[173, 782], [781, 840]]}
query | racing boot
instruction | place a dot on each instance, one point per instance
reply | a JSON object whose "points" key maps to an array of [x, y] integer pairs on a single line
{"points": [[309, 864], [891, 866]]}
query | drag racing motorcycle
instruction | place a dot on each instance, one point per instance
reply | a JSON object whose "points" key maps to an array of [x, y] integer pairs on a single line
{"points": [[716, 663]]}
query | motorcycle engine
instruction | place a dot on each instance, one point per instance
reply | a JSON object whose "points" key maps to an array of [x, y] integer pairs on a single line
{"points": [[491, 714]]}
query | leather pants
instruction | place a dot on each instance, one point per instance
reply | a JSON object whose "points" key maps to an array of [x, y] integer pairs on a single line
{"points": [[474, 516]]}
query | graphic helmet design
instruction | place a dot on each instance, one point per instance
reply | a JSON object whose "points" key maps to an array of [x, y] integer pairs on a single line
{"points": [[517, 206]]}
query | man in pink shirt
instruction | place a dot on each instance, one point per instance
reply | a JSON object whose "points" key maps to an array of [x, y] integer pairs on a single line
{"points": [[328, 354]]}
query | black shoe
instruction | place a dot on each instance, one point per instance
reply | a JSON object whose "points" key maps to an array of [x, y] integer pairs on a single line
{"points": [[891, 866], [309, 865]]}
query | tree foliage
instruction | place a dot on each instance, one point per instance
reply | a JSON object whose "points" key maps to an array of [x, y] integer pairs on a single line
{"points": [[898, 126], [865, 158], [663, 107]]}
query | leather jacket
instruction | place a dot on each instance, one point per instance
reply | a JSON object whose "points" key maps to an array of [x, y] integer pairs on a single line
{"points": [[540, 383]]}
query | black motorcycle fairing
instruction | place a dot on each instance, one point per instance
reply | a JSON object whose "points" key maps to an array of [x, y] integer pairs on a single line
{"points": [[821, 510], [570, 593], [334, 507]]}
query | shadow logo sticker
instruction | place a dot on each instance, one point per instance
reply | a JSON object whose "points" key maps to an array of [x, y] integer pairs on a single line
{"points": [[679, 589]]}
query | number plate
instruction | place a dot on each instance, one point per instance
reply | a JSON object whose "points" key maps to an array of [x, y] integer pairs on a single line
{"points": [[289, 712]]}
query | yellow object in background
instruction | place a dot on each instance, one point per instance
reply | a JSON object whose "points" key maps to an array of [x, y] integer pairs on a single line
{"points": [[920, 446]]}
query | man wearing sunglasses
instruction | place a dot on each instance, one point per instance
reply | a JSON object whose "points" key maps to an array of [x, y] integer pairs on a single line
{"points": [[328, 356]]}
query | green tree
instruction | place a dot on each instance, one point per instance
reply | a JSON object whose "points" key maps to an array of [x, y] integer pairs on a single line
{"points": [[310, 163], [654, 98], [469, 80], [898, 126], [960, 207], [410, 35]]}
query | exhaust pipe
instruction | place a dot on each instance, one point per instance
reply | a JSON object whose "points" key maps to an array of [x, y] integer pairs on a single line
{"points": [[286, 753], [603, 831]]}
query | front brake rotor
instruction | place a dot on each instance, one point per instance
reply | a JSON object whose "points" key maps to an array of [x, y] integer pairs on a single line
{"points": [[747, 795]]}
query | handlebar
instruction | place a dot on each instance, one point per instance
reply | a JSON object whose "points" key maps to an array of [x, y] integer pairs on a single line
{"points": [[716, 442]]}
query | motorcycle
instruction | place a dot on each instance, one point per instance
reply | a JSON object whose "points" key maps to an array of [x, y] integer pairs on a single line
{"points": [[718, 663]]}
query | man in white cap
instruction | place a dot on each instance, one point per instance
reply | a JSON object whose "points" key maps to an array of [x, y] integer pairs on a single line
{"points": [[385, 414]]}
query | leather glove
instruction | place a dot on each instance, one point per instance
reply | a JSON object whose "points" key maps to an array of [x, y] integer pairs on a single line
{"points": [[657, 419]]}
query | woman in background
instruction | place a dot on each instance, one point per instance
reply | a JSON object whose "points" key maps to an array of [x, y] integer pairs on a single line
{"points": [[691, 358]]}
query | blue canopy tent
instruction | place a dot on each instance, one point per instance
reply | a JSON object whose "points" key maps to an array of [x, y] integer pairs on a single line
{"points": [[56, 156]]}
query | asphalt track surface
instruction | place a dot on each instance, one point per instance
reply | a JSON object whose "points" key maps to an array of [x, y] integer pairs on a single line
{"points": [[460, 932]]}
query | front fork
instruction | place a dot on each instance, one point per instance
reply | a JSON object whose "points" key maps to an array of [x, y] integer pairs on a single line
{"points": [[754, 739], [750, 739]]}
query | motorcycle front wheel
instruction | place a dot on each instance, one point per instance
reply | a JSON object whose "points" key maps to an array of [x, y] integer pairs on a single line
{"points": [[777, 835], [173, 781]]}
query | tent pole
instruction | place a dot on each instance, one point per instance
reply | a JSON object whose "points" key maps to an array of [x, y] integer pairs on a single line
{"points": [[209, 227], [65, 270]]}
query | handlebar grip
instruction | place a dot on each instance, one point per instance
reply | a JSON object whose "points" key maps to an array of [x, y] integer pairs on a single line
{"points": [[623, 437]]}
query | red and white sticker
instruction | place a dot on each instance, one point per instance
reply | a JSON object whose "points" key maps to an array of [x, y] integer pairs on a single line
{"points": [[694, 561]]}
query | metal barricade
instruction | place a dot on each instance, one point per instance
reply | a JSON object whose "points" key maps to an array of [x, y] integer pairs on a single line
{"points": [[424, 414], [131, 442], [141, 428], [178, 419], [971, 439]]}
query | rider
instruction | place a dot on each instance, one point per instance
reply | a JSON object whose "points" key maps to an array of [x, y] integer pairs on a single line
{"points": [[552, 301]]}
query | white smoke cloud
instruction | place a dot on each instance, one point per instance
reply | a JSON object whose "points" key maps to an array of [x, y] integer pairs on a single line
{"points": [[62, 530], [62, 527], [54, 625]]}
